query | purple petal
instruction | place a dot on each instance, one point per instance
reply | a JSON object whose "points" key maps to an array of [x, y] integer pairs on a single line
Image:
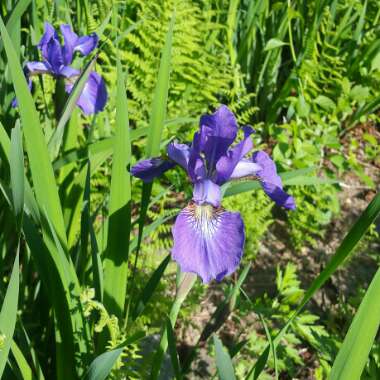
{"points": [[70, 38], [207, 191], [271, 181], [151, 168], [35, 68], [245, 168], [69, 72], [195, 166], [179, 153], [208, 241], [48, 35], [54, 55], [94, 95], [218, 132], [86, 44], [227, 163]]}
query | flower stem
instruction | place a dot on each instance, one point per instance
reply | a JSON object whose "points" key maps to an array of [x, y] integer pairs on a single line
{"points": [[187, 281]]}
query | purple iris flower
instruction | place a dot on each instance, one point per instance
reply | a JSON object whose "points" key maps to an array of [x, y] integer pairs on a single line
{"points": [[57, 60], [208, 240]]}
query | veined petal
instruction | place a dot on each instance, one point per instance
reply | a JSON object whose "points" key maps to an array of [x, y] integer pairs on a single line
{"points": [[227, 163], [151, 168], [207, 191], [86, 44], [180, 153], [208, 241], [35, 68], [218, 131], [94, 95], [271, 181]]}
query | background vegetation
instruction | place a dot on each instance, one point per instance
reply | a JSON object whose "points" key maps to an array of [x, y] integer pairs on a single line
{"points": [[88, 288]]}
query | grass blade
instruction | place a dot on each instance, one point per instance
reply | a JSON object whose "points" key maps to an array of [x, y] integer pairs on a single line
{"points": [[30, 202], [173, 350], [223, 361], [353, 354], [8, 314], [160, 96], [17, 172], [116, 255], [22, 363]]}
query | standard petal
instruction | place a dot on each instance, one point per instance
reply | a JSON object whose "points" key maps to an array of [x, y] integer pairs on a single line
{"points": [[35, 68], [151, 168], [271, 181], [207, 192], [86, 44], [94, 95], [180, 153], [227, 163], [70, 38], [54, 55], [218, 131], [196, 167], [208, 241], [48, 35]]}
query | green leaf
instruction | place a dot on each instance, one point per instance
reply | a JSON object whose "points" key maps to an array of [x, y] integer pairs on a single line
{"points": [[274, 43], [160, 96], [8, 315], [22, 363], [102, 365], [223, 361], [325, 102], [116, 255], [350, 241], [173, 350], [17, 172], [39, 160], [30, 202], [353, 354]]}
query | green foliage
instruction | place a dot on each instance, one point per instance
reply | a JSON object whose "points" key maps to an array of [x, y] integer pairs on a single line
{"points": [[317, 205], [305, 333], [305, 74]]}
